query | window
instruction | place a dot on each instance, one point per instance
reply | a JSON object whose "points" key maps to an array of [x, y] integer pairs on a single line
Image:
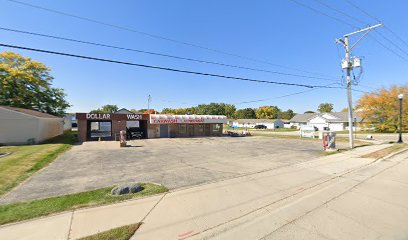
{"points": [[200, 128], [101, 129], [182, 129], [132, 124], [215, 127]]}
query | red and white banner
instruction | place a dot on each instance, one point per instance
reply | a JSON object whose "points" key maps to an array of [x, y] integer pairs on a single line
{"points": [[180, 119]]}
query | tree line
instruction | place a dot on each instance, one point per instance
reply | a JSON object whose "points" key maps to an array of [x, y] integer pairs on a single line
{"points": [[229, 110]]}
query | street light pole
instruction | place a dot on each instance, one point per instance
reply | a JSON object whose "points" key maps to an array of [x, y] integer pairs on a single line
{"points": [[400, 97]]}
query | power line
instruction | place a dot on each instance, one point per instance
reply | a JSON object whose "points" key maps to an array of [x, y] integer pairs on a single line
{"points": [[348, 24], [265, 99], [293, 94], [272, 98], [361, 10], [161, 37], [385, 26], [339, 11], [161, 68], [390, 41], [323, 13], [389, 49], [398, 37], [159, 54]]}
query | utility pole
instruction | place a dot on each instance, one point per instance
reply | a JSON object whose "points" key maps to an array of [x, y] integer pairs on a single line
{"points": [[349, 65]]}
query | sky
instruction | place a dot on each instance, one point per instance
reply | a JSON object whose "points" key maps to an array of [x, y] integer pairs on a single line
{"points": [[265, 33]]}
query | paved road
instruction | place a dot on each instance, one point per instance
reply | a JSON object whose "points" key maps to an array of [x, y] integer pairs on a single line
{"points": [[174, 163]]}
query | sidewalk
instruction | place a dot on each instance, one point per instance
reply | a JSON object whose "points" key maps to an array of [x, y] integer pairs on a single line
{"points": [[212, 210]]}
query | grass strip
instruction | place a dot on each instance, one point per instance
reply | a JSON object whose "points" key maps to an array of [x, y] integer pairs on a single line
{"points": [[15, 212], [386, 151], [120, 233], [24, 161]]}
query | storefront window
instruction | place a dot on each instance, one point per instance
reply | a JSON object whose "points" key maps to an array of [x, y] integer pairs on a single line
{"points": [[215, 127], [101, 129], [182, 129], [200, 128]]}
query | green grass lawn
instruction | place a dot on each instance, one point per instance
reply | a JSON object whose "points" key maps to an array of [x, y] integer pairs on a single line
{"points": [[120, 233], [26, 210], [28, 159]]}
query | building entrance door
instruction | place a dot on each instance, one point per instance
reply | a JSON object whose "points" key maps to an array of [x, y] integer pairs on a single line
{"points": [[190, 130], [164, 131]]}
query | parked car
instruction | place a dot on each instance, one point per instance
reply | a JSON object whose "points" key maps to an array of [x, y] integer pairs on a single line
{"points": [[260, 126]]}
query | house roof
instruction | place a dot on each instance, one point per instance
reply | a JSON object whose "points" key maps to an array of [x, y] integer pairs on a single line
{"points": [[338, 117], [123, 111], [256, 120], [29, 112], [302, 117]]}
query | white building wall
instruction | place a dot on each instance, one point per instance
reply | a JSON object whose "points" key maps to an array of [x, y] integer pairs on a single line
{"points": [[49, 128], [243, 125], [318, 122], [288, 125], [268, 125], [336, 126], [16, 128], [298, 124], [19, 128], [67, 123]]}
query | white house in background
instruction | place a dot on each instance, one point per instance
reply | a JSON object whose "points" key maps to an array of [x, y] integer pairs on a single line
{"points": [[251, 123], [25, 126], [335, 121], [287, 123], [67, 122]]}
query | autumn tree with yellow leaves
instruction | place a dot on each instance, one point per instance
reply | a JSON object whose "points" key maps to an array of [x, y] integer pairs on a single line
{"points": [[27, 84], [381, 108]]}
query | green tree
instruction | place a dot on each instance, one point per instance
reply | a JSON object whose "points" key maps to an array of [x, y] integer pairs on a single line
{"points": [[26, 83], [178, 111], [216, 109], [229, 110], [287, 114], [268, 112], [246, 113], [325, 108], [106, 109]]}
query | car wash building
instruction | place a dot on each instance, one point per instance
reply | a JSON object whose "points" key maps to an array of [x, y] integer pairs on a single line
{"points": [[107, 126], [165, 125]]}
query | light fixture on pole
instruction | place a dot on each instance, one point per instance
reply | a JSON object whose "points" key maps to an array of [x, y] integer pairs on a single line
{"points": [[400, 97]]}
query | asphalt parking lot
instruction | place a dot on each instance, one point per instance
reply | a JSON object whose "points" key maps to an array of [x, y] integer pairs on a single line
{"points": [[175, 163]]}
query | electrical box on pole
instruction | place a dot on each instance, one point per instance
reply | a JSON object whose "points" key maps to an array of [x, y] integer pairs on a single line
{"points": [[356, 63], [348, 63]]}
